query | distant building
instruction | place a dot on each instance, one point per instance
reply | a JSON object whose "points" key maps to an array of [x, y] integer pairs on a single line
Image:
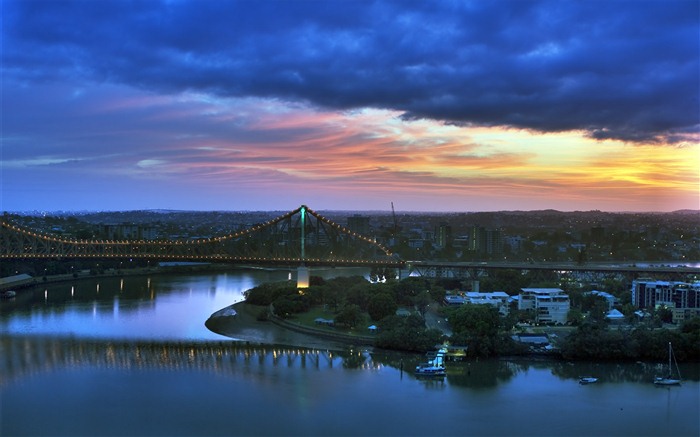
{"points": [[615, 316], [454, 299], [681, 297], [127, 231], [498, 299], [551, 305], [609, 298], [515, 243], [461, 241], [444, 235], [359, 224], [486, 241], [416, 243], [597, 233]]}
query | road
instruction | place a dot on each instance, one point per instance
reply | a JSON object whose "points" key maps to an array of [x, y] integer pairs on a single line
{"points": [[433, 319]]}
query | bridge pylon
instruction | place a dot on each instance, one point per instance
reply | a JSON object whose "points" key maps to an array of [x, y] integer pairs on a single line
{"points": [[302, 277]]}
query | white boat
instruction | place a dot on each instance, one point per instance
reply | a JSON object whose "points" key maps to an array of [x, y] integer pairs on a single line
{"points": [[430, 370], [435, 367], [587, 380], [669, 379]]}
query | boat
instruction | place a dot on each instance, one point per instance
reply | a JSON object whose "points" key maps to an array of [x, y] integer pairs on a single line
{"points": [[435, 367], [430, 370], [8, 294], [587, 380], [669, 379]]}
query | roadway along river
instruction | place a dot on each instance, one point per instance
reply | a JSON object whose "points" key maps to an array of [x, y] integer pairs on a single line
{"points": [[131, 356]]}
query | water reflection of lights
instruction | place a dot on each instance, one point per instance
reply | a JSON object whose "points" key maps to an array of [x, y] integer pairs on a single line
{"points": [[20, 356]]}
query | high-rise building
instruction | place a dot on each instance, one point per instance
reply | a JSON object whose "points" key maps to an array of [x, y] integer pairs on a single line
{"points": [[597, 233], [444, 235], [681, 297], [486, 241], [360, 224]]}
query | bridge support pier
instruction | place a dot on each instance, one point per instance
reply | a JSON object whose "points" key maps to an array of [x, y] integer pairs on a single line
{"points": [[303, 277]]}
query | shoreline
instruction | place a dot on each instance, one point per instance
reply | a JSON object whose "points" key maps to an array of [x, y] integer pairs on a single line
{"points": [[274, 331], [34, 281], [245, 327]]}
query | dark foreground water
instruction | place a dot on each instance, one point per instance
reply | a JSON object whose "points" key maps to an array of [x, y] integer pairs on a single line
{"points": [[134, 358]]}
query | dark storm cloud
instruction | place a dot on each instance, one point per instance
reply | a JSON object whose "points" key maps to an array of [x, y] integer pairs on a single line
{"points": [[616, 69]]}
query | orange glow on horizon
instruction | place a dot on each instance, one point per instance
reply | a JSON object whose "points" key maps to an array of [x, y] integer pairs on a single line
{"points": [[375, 152]]}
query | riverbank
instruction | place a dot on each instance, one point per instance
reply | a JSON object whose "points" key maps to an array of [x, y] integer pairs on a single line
{"points": [[246, 327], [23, 281]]}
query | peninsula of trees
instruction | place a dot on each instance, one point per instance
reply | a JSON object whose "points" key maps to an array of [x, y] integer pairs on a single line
{"points": [[398, 309]]}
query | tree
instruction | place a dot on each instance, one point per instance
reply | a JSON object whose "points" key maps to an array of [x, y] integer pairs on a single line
{"points": [[510, 281], [575, 316], [478, 326], [421, 301], [359, 294], [599, 309], [664, 314], [381, 305], [349, 316], [334, 297], [407, 333]]}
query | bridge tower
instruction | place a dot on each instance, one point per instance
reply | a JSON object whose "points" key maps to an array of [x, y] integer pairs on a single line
{"points": [[302, 270]]}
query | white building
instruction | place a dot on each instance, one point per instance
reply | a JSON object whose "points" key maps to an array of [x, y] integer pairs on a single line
{"points": [[453, 299], [498, 299], [551, 305]]}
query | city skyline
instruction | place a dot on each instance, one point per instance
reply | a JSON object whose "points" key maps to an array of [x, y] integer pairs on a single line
{"points": [[431, 106]]}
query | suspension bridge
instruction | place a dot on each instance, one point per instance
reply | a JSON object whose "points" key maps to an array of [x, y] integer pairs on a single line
{"points": [[299, 238]]}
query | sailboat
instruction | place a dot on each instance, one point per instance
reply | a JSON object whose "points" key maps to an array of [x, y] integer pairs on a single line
{"points": [[669, 380]]}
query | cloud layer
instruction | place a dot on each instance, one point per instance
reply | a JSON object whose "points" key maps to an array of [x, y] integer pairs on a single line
{"points": [[625, 70]]}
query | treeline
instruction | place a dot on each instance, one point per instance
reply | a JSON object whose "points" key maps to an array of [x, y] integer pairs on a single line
{"points": [[596, 341], [484, 331], [354, 301], [378, 300]]}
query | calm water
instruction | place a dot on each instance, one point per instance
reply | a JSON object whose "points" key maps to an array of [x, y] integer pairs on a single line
{"points": [[132, 356]]}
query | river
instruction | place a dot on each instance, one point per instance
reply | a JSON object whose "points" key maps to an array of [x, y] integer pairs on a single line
{"points": [[131, 356]]}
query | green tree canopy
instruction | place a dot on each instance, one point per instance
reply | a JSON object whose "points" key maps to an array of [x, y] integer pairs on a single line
{"points": [[477, 326], [349, 316], [381, 305]]}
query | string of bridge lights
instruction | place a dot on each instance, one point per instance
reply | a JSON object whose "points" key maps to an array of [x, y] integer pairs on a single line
{"points": [[202, 241]]}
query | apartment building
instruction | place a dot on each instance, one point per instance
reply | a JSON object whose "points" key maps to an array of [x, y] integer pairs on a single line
{"points": [[551, 305], [681, 297]]}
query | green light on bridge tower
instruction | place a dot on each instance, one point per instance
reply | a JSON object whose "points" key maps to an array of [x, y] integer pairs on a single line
{"points": [[303, 230]]}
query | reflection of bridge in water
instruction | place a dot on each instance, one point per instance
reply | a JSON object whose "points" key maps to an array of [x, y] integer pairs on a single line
{"points": [[25, 355]]}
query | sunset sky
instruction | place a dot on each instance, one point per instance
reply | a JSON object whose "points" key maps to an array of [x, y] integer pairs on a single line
{"points": [[350, 105]]}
